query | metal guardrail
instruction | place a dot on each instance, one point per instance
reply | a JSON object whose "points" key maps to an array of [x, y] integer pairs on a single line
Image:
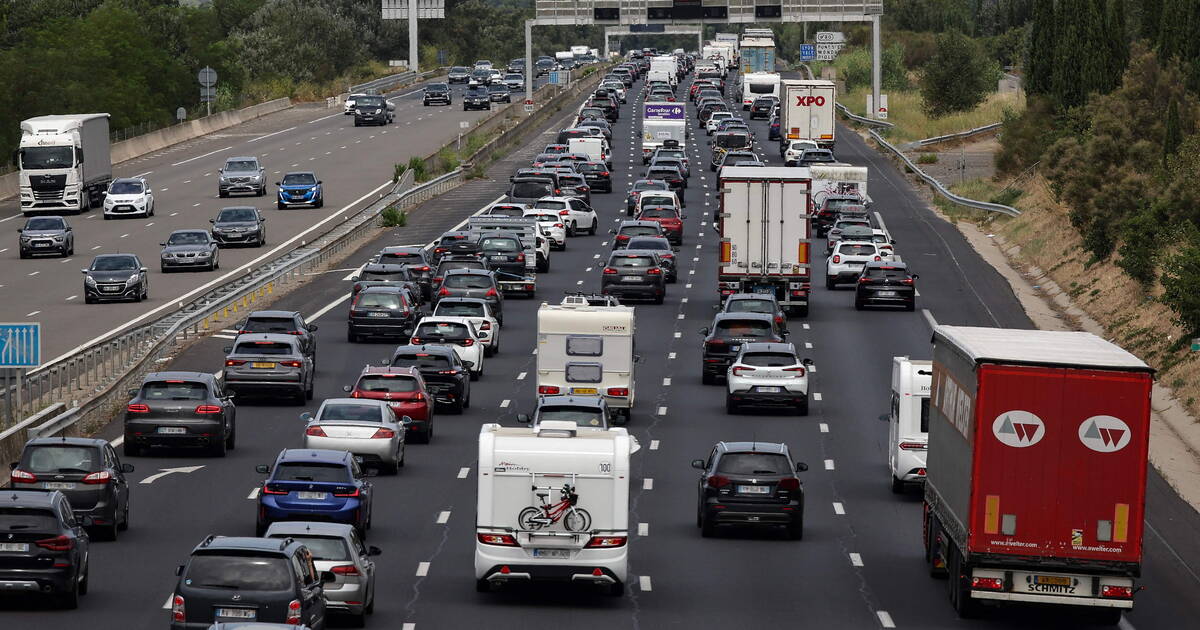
{"points": [[953, 136], [382, 84], [861, 119]]}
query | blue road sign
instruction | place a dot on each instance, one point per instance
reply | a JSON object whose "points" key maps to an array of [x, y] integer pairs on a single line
{"points": [[20, 345], [808, 52], [560, 77]]}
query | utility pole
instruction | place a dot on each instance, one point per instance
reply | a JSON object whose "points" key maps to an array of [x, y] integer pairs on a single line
{"points": [[414, 61]]}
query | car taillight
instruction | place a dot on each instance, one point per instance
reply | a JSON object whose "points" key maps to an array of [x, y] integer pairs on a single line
{"points": [[520, 257], [178, 611], [485, 326], [622, 237], [604, 174], [503, 540], [864, 280], [344, 569], [22, 476], [98, 478], [234, 362], [208, 409], [467, 342], [548, 389], [444, 291], [715, 342], [717, 481], [422, 268], [293, 613], [351, 493], [448, 372], [790, 483], [907, 281], [837, 258], [610, 271], [295, 332], [618, 391], [912, 446], [384, 434], [739, 370], [877, 259], [654, 271], [491, 293], [988, 583], [317, 431], [563, 213], [58, 543], [798, 370], [416, 341], [356, 394], [268, 489], [294, 364], [1112, 590], [440, 250], [560, 226], [606, 542], [138, 408]]}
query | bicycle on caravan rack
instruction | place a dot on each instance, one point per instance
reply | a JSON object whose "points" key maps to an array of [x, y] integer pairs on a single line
{"points": [[574, 519]]}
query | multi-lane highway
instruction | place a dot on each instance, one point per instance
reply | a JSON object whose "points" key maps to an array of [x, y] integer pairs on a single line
{"points": [[860, 563], [355, 164]]}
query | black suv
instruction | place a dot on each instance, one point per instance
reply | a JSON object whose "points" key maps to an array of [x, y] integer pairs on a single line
{"points": [[458, 243], [437, 93], [180, 409], [268, 580], [750, 483], [447, 379], [239, 225], [382, 274], [597, 175], [373, 110], [381, 311], [886, 284], [634, 274], [725, 337], [283, 322], [45, 547], [86, 470], [761, 107], [419, 265], [476, 97], [504, 254]]}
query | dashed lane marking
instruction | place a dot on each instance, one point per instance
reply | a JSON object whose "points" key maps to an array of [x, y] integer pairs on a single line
{"points": [[647, 484], [423, 569], [443, 517], [839, 509], [521, 376], [816, 395], [654, 445], [463, 472], [823, 427], [829, 464], [254, 493], [504, 403], [662, 411], [885, 619], [667, 381], [856, 560], [671, 355]]}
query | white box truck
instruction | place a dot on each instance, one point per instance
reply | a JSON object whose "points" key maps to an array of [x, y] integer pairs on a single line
{"points": [[806, 112], [662, 121], [553, 505], [766, 234], [908, 421], [65, 162], [585, 350]]}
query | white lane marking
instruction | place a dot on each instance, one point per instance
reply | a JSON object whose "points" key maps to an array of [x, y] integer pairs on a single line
{"points": [[326, 117], [163, 472], [929, 318], [829, 464], [823, 427], [443, 517], [521, 376], [143, 174], [808, 345], [662, 411], [682, 301], [816, 395], [654, 445], [534, 351], [839, 509], [667, 381], [34, 273], [229, 330], [644, 583], [463, 472], [423, 569], [327, 308], [688, 285], [504, 403], [579, 282], [680, 316], [72, 297], [596, 256], [588, 269], [200, 156], [604, 244], [173, 214], [355, 272], [805, 326], [220, 336], [254, 493], [32, 314], [856, 560], [885, 619], [647, 484], [671, 355], [812, 368], [916, 293], [124, 235], [678, 335], [643, 529], [882, 224]]}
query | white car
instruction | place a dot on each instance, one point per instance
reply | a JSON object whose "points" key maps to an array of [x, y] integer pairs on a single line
{"points": [[542, 248], [887, 246], [657, 198], [797, 149], [128, 196], [457, 332], [575, 213], [715, 119], [767, 374], [846, 263], [552, 226], [617, 87], [368, 428], [479, 311], [350, 103]]}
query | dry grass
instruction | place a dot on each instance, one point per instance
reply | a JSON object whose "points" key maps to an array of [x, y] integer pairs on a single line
{"points": [[904, 110], [269, 89]]}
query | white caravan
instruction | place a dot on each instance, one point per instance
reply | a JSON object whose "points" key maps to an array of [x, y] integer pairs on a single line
{"points": [[908, 421], [585, 350]]}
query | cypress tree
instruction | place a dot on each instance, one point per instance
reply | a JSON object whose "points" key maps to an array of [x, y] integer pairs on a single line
{"points": [[1173, 32], [1039, 67], [1093, 59], [1118, 42], [1067, 79], [1173, 134], [1150, 19]]}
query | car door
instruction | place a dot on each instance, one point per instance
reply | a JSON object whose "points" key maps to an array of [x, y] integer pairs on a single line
{"points": [[365, 485], [312, 591], [577, 205], [120, 483], [229, 409], [308, 341], [364, 560]]}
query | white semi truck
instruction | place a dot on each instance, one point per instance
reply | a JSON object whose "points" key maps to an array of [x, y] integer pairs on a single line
{"points": [[806, 112], [65, 163]]}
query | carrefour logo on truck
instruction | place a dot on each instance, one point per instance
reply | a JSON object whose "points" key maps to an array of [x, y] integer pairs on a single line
{"points": [[663, 112]]}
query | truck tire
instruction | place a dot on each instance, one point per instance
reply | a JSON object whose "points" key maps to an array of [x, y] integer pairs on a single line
{"points": [[933, 532], [958, 585]]}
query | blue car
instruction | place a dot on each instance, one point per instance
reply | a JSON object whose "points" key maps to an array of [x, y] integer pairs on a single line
{"points": [[315, 485], [300, 189]]}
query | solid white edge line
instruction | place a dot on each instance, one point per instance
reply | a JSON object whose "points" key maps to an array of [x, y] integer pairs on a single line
{"points": [[201, 156], [275, 133], [327, 308]]}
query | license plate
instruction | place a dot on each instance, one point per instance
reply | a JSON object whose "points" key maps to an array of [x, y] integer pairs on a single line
{"points": [[110, 289], [41, 244], [378, 314], [312, 496], [754, 489], [583, 390], [769, 390], [19, 547], [886, 294], [551, 553], [631, 278], [262, 365], [499, 258], [171, 430], [236, 613], [735, 347], [1056, 580], [764, 288], [58, 485]]}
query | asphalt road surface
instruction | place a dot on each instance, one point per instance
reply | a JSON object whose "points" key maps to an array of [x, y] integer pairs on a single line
{"points": [[860, 563]]}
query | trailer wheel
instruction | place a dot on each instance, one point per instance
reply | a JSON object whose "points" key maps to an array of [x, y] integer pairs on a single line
{"points": [[1104, 616], [958, 585], [932, 547]]}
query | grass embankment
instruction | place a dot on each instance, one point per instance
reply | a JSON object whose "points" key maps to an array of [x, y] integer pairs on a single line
{"points": [[904, 111], [304, 91]]}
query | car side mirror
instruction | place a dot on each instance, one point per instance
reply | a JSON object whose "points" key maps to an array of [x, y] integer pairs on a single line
{"points": [[83, 271], [468, 364], [682, 216], [162, 244], [263, 468], [227, 349], [179, 570], [406, 420], [784, 333], [19, 230], [353, 278], [801, 467], [916, 275], [892, 241], [698, 464], [133, 392], [306, 416], [705, 331], [384, 361], [347, 388], [327, 577], [213, 221], [126, 468], [807, 361], [12, 466], [69, 229], [374, 551], [278, 184], [319, 182], [524, 418], [144, 269], [391, 107]]}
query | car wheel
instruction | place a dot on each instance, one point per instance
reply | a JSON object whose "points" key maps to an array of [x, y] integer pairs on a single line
{"points": [[483, 586], [571, 229], [124, 525], [300, 397], [911, 306], [216, 264], [391, 468], [83, 584], [24, 254], [108, 532], [859, 305], [829, 283], [897, 485], [592, 230], [70, 598], [658, 299], [796, 529], [321, 202], [139, 297], [350, 336], [730, 406], [458, 407], [308, 392], [707, 528], [217, 449], [220, 193], [279, 205], [616, 589]]}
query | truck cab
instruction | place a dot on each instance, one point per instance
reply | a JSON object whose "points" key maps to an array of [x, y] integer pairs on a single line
{"points": [[908, 421], [65, 163]]}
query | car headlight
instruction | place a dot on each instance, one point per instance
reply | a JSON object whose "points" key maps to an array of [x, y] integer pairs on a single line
{"points": [[204, 254], [58, 239], [132, 279], [252, 228], [90, 281], [25, 237]]}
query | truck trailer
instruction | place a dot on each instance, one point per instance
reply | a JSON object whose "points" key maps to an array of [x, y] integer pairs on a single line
{"points": [[1036, 472], [806, 112], [65, 162]]}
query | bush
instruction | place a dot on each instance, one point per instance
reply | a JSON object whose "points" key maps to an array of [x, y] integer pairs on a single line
{"points": [[417, 165], [1141, 237], [391, 217], [927, 158], [1006, 197], [398, 172], [958, 77], [1026, 135], [447, 160], [1181, 281]]}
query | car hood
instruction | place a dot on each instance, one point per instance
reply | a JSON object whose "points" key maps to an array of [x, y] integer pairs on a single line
{"points": [[111, 276], [234, 224], [298, 186], [124, 198], [176, 249], [42, 233]]}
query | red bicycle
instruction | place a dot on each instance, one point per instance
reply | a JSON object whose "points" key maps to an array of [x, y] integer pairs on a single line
{"points": [[574, 518]]}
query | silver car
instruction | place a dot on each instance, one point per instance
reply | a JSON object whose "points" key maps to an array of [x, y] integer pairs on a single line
{"points": [[337, 548], [189, 249], [269, 364], [46, 235], [241, 175], [367, 428]]}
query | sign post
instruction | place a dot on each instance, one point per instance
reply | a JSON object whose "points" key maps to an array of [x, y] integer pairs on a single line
{"points": [[208, 93]]}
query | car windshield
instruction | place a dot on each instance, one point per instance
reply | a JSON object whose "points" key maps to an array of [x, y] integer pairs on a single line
{"points": [[269, 325], [369, 101], [631, 261], [581, 416], [754, 464], [44, 224], [389, 383], [313, 471], [174, 390], [889, 273], [36, 158], [752, 329], [188, 238], [231, 215], [61, 458], [422, 360], [264, 347], [768, 359], [15, 519], [299, 179], [351, 411], [459, 309], [513, 77], [240, 166], [658, 213], [125, 188], [467, 281], [750, 306], [237, 572], [115, 263], [442, 330], [379, 300], [857, 249], [639, 230], [528, 189], [500, 245]]}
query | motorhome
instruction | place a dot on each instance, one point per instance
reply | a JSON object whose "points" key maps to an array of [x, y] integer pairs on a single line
{"points": [[588, 350], [908, 421]]}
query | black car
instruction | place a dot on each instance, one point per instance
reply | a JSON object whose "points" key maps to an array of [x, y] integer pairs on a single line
{"points": [[565, 135], [457, 261], [459, 243], [503, 254], [761, 107], [476, 97], [458, 74], [86, 471], [284, 323], [597, 175], [419, 265], [180, 410], [115, 277], [543, 67], [661, 246], [46, 235], [831, 207], [381, 311], [447, 378], [499, 93], [612, 109], [516, 66], [750, 484], [816, 156], [45, 549], [373, 110], [239, 225], [639, 186], [437, 93], [377, 274], [755, 303], [724, 338], [480, 77], [627, 230], [470, 282], [886, 284], [670, 174], [268, 580], [773, 132], [634, 275]]}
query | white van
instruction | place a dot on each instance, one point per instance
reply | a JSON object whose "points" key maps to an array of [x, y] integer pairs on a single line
{"points": [[757, 85], [585, 350], [908, 421], [595, 148], [553, 505]]}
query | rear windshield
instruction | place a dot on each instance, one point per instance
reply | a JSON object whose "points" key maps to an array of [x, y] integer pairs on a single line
{"points": [[174, 390], [244, 573], [649, 243], [380, 274], [263, 347], [768, 359], [592, 168], [447, 330], [401, 257], [736, 328], [649, 185], [545, 218], [750, 306], [14, 519], [459, 309], [269, 325], [570, 180], [467, 281], [754, 464], [525, 190], [500, 245], [459, 264], [387, 383], [322, 547], [507, 211], [549, 205], [762, 88], [61, 458], [379, 300], [312, 471], [880, 273], [631, 261], [584, 417], [351, 411], [732, 140], [421, 360], [851, 249], [658, 213], [664, 173], [639, 230]]}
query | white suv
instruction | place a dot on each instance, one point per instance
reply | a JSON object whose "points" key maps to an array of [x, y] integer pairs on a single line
{"points": [[552, 226], [575, 213], [846, 263], [767, 374], [479, 311], [457, 332], [796, 149], [711, 125]]}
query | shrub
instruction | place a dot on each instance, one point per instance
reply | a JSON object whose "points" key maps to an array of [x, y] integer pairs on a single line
{"points": [[417, 165], [391, 217], [398, 172], [1181, 281], [927, 158], [958, 77]]}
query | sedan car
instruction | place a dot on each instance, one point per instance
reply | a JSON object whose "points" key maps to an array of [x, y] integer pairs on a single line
{"points": [[499, 93], [437, 93], [239, 225], [189, 249], [338, 549], [458, 74], [86, 471], [129, 196], [115, 277], [380, 311], [283, 323], [477, 97], [670, 174], [886, 284], [480, 313], [750, 484], [726, 336], [180, 410], [515, 81], [447, 379], [314, 485], [45, 546], [300, 189], [636, 275], [403, 389], [373, 110], [367, 428], [767, 375], [668, 217], [241, 175], [458, 333], [270, 364], [46, 235]]}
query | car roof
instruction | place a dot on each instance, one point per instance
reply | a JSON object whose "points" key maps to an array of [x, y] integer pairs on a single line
{"points": [[323, 455], [300, 173], [237, 208], [463, 300], [384, 288], [407, 249], [879, 264], [189, 231], [243, 543], [750, 447], [642, 238], [277, 337], [382, 266], [244, 157], [750, 296], [29, 498], [276, 314], [69, 441], [625, 224], [467, 271], [769, 346], [179, 376], [99, 256], [129, 180], [388, 369]]}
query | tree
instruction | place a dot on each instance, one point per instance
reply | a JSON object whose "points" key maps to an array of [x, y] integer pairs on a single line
{"points": [[1039, 67], [1181, 281], [1172, 135], [958, 77], [1118, 41], [279, 41]]}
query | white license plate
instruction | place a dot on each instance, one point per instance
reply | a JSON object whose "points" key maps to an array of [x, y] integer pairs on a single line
{"points": [[769, 390], [754, 489], [110, 289], [631, 278], [551, 553], [236, 613], [171, 430], [41, 244], [886, 294], [379, 314], [19, 547], [58, 485], [315, 496], [500, 258]]}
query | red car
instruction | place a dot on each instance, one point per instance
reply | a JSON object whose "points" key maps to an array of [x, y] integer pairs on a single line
{"points": [[667, 217], [404, 390]]}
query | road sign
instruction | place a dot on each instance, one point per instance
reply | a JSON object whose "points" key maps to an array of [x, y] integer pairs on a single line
{"points": [[827, 52], [808, 52], [663, 112], [181, 114], [208, 94], [528, 105], [560, 77], [883, 107], [207, 77], [829, 37], [426, 9], [20, 345]]}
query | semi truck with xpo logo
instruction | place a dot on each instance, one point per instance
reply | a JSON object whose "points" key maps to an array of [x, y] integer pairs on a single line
{"points": [[806, 112], [1036, 471]]}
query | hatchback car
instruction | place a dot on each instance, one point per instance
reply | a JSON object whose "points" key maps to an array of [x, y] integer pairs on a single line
{"points": [[504, 255], [241, 175], [283, 323], [456, 243], [750, 484], [368, 429], [761, 107], [587, 412], [86, 471], [46, 235], [129, 196], [551, 224], [726, 336], [669, 174], [437, 93], [447, 378], [842, 224], [180, 410], [241, 225], [336, 548], [403, 389], [830, 207], [45, 548], [640, 186], [459, 333], [314, 485], [447, 263], [473, 283], [269, 364], [634, 275], [189, 249], [755, 303], [480, 313], [115, 277], [576, 214], [629, 229], [258, 580], [373, 110], [374, 274], [668, 217], [598, 176], [847, 262], [300, 189], [886, 284], [767, 375]]}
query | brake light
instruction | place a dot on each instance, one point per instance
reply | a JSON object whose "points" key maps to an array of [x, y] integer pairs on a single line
{"points": [[58, 543], [344, 569], [98, 478], [178, 612], [448, 372], [912, 446], [491, 293], [503, 540], [416, 341], [559, 225], [440, 250], [293, 610], [444, 291], [717, 481], [317, 431], [138, 408], [294, 364], [426, 268], [420, 397], [352, 493], [521, 257], [485, 326], [606, 541], [384, 434], [737, 371], [604, 174], [356, 394], [877, 259], [907, 281], [22, 476], [295, 332], [548, 389], [654, 271], [610, 271], [618, 391], [798, 370], [837, 258], [233, 362], [208, 409], [1112, 590], [864, 280], [563, 213], [988, 583], [715, 342]]}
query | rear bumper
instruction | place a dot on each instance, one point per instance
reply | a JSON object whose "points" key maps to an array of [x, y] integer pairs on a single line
{"points": [[375, 329], [20, 581], [644, 292], [199, 434], [490, 560], [252, 386], [1062, 600], [767, 399], [727, 513]]}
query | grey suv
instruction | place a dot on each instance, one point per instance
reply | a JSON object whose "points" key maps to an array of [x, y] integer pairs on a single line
{"points": [[269, 363], [46, 235], [180, 409], [636, 274], [270, 580], [87, 471], [241, 175]]}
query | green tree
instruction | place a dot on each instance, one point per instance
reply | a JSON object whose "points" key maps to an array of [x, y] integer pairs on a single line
{"points": [[1118, 41], [1039, 66], [279, 41], [1172, 134], [1181, 281], [1149, 19], [958, 77]]}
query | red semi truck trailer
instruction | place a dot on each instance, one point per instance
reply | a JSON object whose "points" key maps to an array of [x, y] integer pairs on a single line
{"points": [[1036, 472]]}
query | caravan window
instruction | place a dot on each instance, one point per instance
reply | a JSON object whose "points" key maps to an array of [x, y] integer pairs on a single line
{"points": [[584, 372], [585, 346]]}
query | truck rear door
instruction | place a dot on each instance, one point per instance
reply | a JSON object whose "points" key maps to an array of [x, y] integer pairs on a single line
{"points": [[766, 231]]}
